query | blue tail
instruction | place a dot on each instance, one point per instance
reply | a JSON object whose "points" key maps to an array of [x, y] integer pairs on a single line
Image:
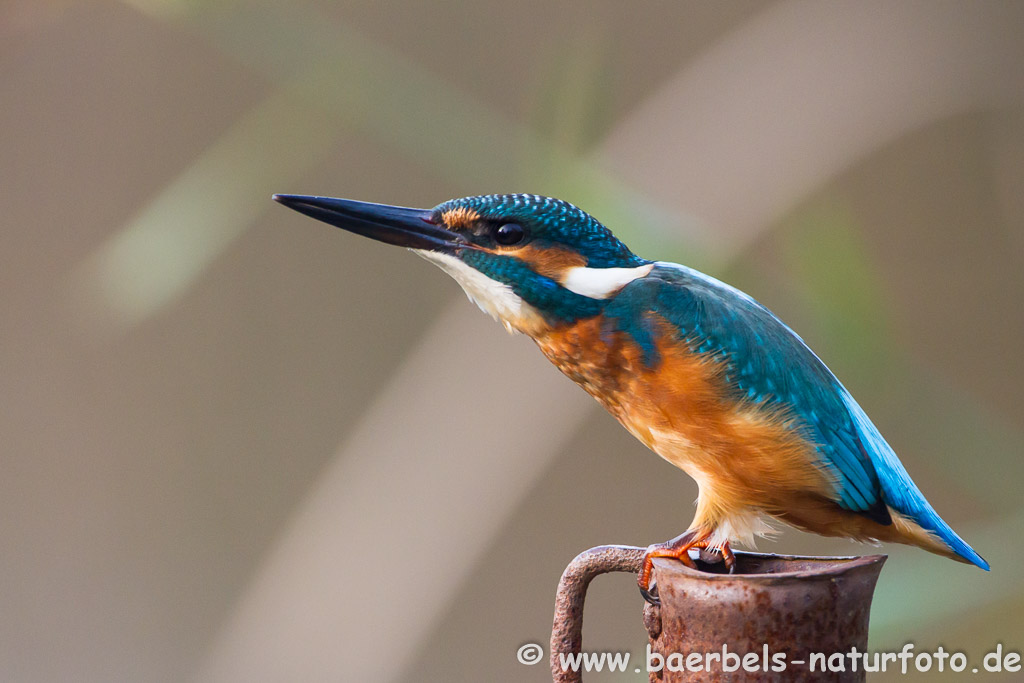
{"points": [[901, 493]]}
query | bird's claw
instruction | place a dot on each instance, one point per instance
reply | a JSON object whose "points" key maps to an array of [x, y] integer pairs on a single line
{"points": [[678, 549], [650, 594]]}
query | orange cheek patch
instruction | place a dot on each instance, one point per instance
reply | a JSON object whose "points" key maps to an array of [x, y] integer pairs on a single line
{"points": [[551, 262], [460, 217]]}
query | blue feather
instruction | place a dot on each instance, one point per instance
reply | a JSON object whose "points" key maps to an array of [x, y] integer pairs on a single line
{"points": [[766, 362], [900, 491]]}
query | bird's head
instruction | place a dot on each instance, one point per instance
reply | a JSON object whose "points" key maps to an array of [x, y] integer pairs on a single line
{"points": [[532, 262]]}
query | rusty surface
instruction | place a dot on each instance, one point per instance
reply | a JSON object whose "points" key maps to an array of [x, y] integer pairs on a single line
{"points": [[772, 606], [567, 631], [652, 620]]}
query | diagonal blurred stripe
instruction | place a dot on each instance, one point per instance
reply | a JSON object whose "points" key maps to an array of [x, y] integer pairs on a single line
{"points": [[381, 545], [332, 81], [455, 136], [790, 90], [154, 259]]}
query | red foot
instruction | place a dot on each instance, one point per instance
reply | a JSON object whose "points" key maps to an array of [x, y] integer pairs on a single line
{"points": [[678, 548]]}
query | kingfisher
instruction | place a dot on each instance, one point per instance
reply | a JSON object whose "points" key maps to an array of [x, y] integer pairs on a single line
{"points": [[700, 372]]}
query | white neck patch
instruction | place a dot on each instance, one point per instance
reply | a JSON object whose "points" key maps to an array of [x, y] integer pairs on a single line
{"points": [[494, 298], [601, 283]]}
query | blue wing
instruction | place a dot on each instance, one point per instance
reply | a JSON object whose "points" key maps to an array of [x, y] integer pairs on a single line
{"points": [[766, 362]]}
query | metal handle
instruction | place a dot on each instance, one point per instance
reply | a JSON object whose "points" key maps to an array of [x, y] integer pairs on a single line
{"points": [[567, 631]]}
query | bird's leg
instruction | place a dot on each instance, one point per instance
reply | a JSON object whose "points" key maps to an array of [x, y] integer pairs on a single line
{"points": [[678, 548]]}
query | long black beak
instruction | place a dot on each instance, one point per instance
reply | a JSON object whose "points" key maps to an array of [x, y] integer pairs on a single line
{"points": [[412, 228]]}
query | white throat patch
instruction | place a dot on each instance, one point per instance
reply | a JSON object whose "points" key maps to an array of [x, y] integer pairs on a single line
{"points": [[494, 298], [601, 283]]}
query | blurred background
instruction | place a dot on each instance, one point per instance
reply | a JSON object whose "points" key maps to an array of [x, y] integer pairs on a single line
{"points": [[240, 445]]}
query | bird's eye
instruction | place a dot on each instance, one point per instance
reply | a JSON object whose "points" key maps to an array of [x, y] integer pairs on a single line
{"points": [[509, 233]]}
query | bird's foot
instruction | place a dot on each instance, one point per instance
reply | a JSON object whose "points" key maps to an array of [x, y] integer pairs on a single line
{"points": [[716, 554], [679, 549]]}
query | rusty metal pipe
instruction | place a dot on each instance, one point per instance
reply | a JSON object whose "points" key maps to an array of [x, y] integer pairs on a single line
{"points": [[567, 631], [772, 606]]}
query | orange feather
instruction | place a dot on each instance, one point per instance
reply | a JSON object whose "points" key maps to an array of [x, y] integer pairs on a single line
{"points": [[749, 461]]}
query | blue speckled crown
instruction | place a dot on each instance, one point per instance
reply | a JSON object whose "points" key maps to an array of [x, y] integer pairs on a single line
{"points": [[552, 220]]}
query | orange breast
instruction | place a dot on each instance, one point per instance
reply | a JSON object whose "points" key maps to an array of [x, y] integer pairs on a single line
{"points": [[742, 454]]}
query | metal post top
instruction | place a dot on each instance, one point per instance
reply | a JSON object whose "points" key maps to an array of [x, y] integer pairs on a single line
{"points": [[764, 568], [787, 603]]}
